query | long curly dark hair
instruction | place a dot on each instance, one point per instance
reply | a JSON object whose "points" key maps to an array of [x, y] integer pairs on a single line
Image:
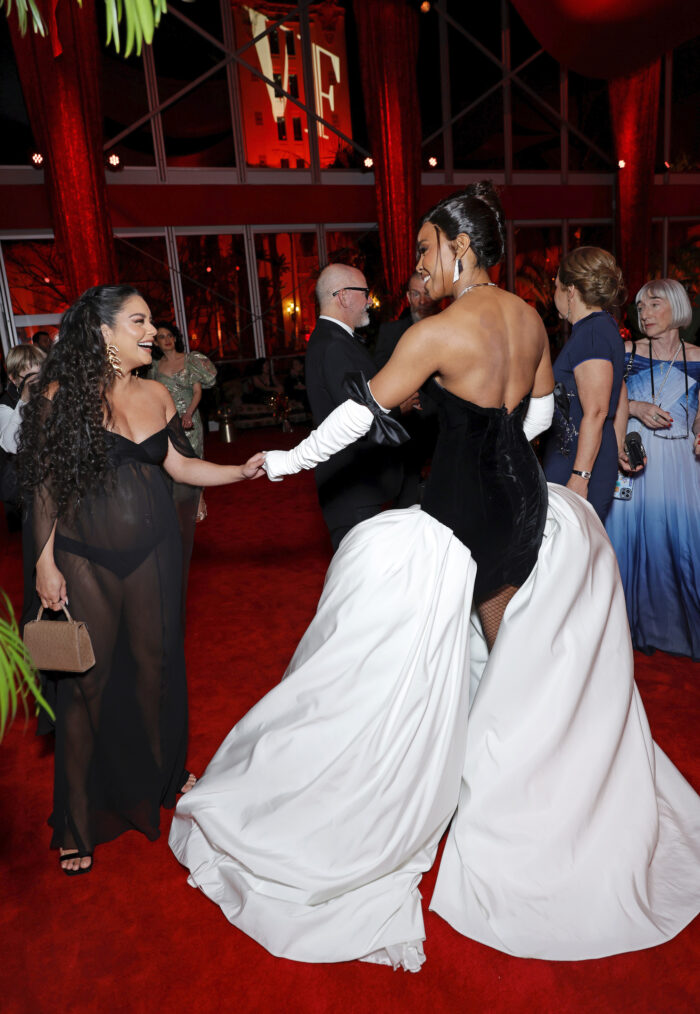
{"points": [[63, 445]]}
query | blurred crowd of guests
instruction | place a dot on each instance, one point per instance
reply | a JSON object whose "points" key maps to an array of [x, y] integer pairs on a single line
{"points": [[605, 389]]}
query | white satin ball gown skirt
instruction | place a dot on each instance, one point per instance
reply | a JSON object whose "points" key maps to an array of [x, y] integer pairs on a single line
{"points": [[574, 836], [317, 816]]}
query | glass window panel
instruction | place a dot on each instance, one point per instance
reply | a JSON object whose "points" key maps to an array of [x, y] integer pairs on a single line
{"points": [[25, 335], [15, 130], [685, 135], [537, 256], [589, 111], [477, 136], [287, 273], [142, 261], [346, 156], [270, 137], [124, 100], [217, 296], [684, 255], [362, 250], [591, 234], [34, 274], [198, 127], [429, 89], [536, 136]]}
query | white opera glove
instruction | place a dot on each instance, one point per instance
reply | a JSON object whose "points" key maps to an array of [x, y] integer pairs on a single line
{"points": [[539, 415], [348, 422]]}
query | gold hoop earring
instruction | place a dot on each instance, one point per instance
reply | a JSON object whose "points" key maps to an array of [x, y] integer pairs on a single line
{"points": [[113, 359]]}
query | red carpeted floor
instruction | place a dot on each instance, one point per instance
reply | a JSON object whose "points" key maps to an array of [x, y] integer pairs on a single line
{"points": [[132, 936]]}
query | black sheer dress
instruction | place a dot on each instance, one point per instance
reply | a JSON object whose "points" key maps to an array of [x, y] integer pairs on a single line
{"points": [[121, 727], [486, 486]]}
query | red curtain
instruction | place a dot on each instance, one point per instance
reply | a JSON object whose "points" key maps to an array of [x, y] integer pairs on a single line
{"points": [[388, 38], [60, 78], [634, 108]]}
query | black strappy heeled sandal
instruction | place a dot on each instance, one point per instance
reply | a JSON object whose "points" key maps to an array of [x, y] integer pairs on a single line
{"points": [[76, 854]]}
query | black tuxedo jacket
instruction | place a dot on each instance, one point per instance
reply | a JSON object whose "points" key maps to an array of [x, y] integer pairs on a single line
{"points": [[363, 474], [388, 339]]}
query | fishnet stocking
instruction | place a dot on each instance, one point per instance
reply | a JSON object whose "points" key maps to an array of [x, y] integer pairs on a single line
{"points": [[491, 612]]}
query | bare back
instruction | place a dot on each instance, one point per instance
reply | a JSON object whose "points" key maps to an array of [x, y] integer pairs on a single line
{"points": [[488, 347], [493, 345]]}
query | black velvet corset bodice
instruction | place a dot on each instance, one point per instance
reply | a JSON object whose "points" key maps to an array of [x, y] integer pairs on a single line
{"points": [[486, 486]]}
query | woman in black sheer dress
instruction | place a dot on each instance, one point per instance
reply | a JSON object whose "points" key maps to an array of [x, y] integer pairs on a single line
{"points": [[106, 537]]}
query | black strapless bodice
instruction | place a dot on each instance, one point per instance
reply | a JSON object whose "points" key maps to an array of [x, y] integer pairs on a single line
{"points": [[486, 486]]}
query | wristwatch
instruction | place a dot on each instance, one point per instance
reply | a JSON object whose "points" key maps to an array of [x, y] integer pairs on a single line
{"points": [[582, 473]]}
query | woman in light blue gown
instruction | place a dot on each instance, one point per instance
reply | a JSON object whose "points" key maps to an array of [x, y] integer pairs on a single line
{"points": [[656, 533]]}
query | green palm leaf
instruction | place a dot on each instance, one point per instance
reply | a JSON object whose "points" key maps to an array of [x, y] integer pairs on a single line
{"points": [[18, 677]]}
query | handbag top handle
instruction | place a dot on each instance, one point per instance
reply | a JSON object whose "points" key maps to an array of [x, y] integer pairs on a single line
{"points": [[65, 610]]}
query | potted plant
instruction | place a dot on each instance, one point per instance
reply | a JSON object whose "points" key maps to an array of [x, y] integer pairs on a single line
{"points": [[18, 678]]}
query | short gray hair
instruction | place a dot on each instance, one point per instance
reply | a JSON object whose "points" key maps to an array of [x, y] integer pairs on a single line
{"points": [[674, 294]]}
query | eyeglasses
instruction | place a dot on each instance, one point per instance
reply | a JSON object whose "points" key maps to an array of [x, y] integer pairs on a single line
{"points": [[352, 288]]}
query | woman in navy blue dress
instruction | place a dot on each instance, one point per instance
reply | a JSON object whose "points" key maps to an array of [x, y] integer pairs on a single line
{"points": [[581, 450]]}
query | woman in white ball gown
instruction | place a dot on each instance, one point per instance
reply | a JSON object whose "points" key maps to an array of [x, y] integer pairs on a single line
{"points": [[572, 835]]}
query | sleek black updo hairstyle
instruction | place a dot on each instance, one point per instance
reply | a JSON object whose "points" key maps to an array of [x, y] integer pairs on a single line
{"points": [[476, 211]]}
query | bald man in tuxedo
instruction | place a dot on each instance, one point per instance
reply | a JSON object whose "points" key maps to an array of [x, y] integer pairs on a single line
{"points": [[355, 483]]}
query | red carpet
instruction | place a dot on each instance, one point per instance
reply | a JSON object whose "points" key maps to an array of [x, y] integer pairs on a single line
{"points": [[133, 937]]}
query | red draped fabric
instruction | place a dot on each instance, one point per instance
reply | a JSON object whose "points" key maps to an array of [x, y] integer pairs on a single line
{"points": [[60, 78], [388, 38], [609, 38], [634, 105]]}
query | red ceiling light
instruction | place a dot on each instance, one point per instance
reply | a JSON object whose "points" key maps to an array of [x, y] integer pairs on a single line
{"points": [[37, 159], [425, 7], [432, 162], [369, 162], [621, 164]]}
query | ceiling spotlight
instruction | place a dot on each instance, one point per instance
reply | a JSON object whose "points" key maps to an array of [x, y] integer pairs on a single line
{"points": [[37, 159], [114, 162], [369, 162], [432, 161], [425, 7], [621, 164], [208, 270], [667, 164]]}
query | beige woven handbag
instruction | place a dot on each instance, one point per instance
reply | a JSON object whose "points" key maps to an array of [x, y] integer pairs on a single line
{"points": [[61, 647]]}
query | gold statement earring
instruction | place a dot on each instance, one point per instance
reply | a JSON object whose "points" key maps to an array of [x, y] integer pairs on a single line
{"points": [[113, 359]]}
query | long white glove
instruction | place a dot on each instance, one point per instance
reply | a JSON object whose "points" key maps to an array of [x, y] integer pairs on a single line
{"points": [[539, 415], [346, 424]]}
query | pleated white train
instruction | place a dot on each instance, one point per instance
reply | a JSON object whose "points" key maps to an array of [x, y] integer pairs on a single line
{"points": [[574, 837], [319, 813]]}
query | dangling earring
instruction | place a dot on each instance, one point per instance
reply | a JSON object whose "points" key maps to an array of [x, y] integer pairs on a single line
{"points": [[113, 359], [458, 270]]}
